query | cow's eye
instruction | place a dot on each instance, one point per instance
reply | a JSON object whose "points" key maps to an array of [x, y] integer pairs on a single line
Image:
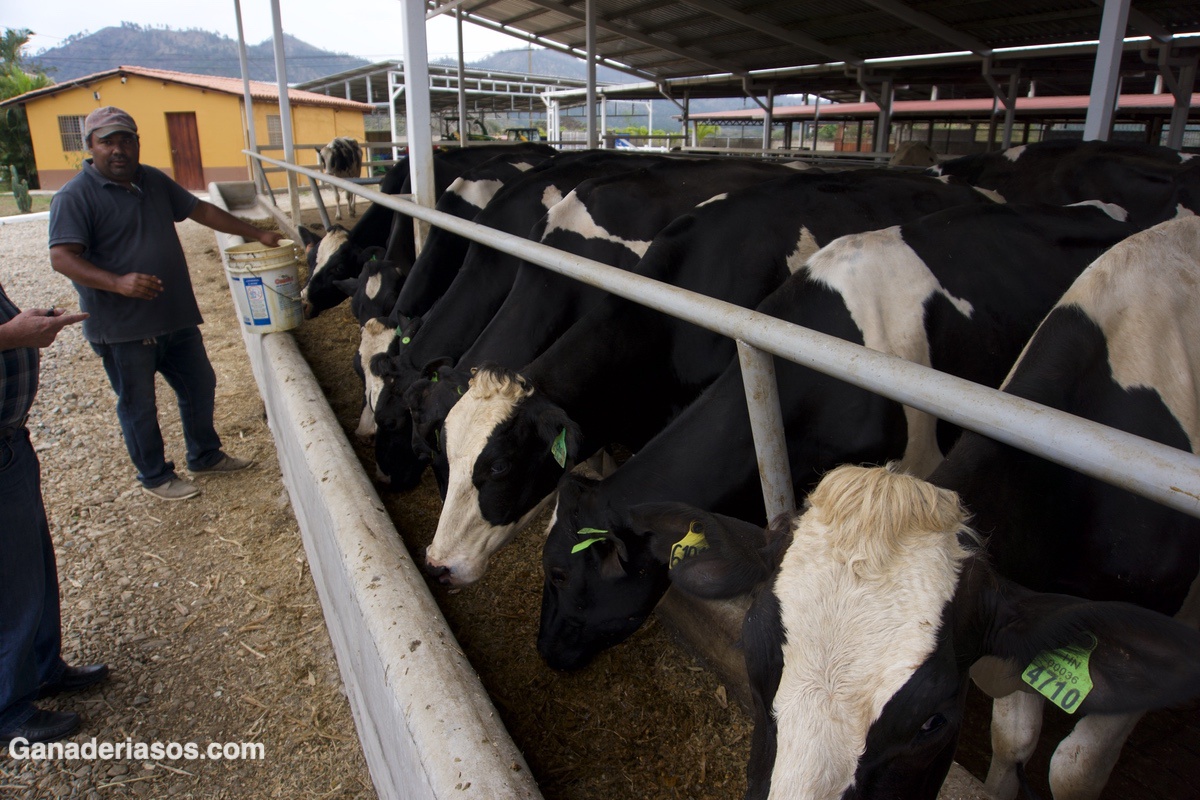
{"points": [[558, 577], [499, 467], [933, 724]]}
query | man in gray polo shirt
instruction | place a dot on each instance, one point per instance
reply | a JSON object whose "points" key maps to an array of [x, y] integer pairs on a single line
{"points": [[112, 232]]}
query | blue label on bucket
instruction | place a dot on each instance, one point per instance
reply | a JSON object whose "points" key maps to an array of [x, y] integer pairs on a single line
{"points": [[256, 299]]}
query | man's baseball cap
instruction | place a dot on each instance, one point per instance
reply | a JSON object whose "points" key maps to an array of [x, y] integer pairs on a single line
{"points": [[107, 121]]}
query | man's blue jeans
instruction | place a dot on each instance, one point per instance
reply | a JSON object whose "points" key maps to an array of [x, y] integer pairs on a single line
{"points": [[181, 359], [30, 636]]}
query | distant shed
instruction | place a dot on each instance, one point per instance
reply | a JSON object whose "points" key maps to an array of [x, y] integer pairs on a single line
{"points": [[193, 127]]}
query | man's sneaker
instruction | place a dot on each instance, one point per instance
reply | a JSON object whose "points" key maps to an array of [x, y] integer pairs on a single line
{"points": [[174, 489], [226, 464]]}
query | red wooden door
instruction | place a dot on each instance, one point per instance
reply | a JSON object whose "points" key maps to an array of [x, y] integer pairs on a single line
{"points": [[184, 138]]}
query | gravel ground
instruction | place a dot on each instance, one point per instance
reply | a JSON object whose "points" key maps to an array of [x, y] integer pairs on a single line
{"points": [[204, 609]]}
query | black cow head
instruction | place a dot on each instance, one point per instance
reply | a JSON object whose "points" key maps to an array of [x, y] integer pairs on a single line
{"points": [[394, 456], [331, 257], [428, 401], [602, 578]]}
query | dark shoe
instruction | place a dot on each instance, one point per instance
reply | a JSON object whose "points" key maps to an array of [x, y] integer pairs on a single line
{"points": [[74, 679], [174, 489], [226, 464], [43, 726]]}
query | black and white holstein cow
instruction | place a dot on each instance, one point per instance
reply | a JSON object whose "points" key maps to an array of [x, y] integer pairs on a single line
{"points": [[960, 290], [334, 256], [610, 220], [434, 269], [341, 158], [618, 373], [373, 294], [874, 602], [457, 318], [1152, 183]]}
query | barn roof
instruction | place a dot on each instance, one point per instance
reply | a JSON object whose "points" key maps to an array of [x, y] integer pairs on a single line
{"points": [[259, 90], [720, 47]]}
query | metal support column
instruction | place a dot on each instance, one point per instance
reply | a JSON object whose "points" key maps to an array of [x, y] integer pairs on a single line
{"points": [[766, 422], [1103, 98], [261, 186], [1181, 87], [285, 111], [464, 129], [394, 91], [768, 118], [590, 33], [417, 106]]}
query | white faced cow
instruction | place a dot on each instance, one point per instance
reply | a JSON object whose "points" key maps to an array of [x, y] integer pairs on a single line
{"points": [[341, 158], [878, 598]]}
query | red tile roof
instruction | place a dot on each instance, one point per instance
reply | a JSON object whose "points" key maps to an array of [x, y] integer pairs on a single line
{"points": [[943, 108], [259, 90]]}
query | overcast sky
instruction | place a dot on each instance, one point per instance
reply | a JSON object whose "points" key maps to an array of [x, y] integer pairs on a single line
{"points": [[370, 29]]}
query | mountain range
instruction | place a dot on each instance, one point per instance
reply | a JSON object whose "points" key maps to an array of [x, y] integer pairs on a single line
{"points": [[196, 51]]}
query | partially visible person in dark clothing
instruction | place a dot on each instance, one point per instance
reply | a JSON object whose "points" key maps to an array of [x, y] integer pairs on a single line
{"points": [[31, 665], [112, 232]]}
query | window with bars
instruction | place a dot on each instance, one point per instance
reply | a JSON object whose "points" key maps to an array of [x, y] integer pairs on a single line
{"points": [[274, 130], [70, 130]]}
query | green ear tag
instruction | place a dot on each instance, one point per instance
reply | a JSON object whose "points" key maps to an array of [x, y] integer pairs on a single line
{"points": [[586, 543], [1061, 676], [691, 544], [559, 448], [433, 378], [405, 340], [437, 439]]}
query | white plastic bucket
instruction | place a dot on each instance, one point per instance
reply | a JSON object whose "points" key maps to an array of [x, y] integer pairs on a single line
{"points": [[265, 282]]}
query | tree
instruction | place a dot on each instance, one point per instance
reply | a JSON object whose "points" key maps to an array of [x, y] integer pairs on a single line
{"points": [[16, 146]]}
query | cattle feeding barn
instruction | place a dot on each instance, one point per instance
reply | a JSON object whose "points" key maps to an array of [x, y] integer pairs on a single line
{"points": [[387, 719]]}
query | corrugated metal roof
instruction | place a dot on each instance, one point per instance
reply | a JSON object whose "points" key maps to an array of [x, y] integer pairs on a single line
{"points": [[666, 42], [259, 90]]}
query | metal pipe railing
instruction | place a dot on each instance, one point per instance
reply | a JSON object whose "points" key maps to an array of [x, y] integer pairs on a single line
{"points": [[1164, 474]]}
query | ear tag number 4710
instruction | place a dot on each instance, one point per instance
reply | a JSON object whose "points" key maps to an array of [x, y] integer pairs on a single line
{"points": [[1062, 676]]}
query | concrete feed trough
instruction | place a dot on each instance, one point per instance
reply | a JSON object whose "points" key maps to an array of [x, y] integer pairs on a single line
{"points": [[426, 724]]}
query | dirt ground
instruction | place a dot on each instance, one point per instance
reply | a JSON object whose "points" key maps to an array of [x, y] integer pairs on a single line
{"points": [[204, 609]]}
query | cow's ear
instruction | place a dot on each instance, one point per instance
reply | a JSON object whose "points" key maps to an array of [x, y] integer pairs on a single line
{"points": [[560, 435], [309, 238], [369, 254], [406, 328], [1097, 657], [711, 556], [432, 369], [347, 286]]}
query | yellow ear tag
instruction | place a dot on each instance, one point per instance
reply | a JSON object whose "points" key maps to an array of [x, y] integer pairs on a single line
{"points": [[1062, 676], [559, 448], [691, 544]]}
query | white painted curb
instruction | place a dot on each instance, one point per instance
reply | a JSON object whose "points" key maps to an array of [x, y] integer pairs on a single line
{"points": [[427, 726]]}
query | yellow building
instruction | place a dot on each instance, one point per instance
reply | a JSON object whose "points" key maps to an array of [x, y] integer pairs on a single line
{"points": [[192, 127]]}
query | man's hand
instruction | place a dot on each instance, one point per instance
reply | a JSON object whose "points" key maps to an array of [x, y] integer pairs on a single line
{"points": [[139, 285], [36, 327], [270, 238]]}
